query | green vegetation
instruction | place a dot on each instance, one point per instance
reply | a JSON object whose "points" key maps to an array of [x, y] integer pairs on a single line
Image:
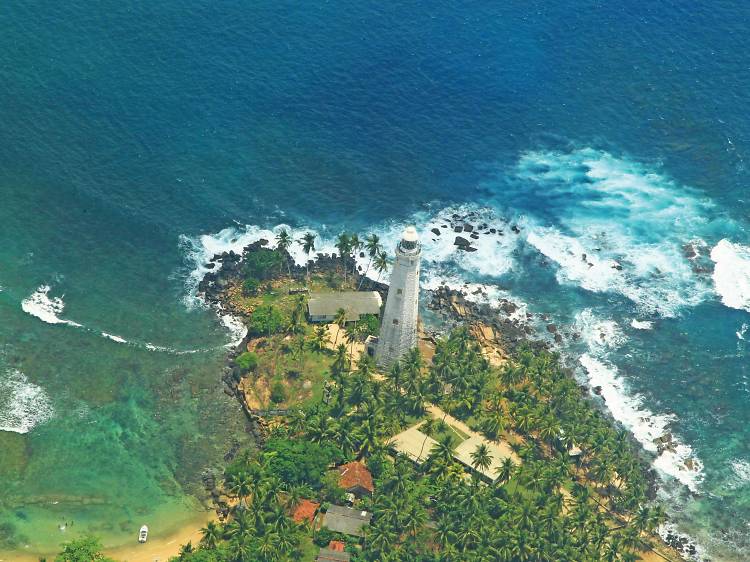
{"points": [[250, 286], [301, 462], [261, 264], [85, 549], [552, 506], [278, 392], [267, 320], [247, 361]]}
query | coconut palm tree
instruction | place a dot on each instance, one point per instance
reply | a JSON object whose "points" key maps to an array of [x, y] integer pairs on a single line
{"points": [[373, 247], [381, 264], [242, 486], [344, 246], [340, 320], [308, 246], [283, 243], [211, 535], [319, 339], [481, 459], [505, 470], [356, 245]]}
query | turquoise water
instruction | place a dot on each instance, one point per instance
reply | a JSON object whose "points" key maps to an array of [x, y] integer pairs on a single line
{"points": [[136, 140]]}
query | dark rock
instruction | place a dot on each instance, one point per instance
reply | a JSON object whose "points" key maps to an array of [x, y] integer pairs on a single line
{"points": [[210, 265], [435, 231], [361, 254], [617, 266], [461, 242], [551, 328], [468, 227], [493, 230], [474, 235], [515, 229], [558, 338], [458, 228], [597, 390]]}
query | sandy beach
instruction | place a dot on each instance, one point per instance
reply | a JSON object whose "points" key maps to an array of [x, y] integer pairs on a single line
{"points": [[157, 549]]}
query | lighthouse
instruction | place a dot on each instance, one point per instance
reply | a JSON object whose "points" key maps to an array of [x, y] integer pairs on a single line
{"points": [[398, 329]]}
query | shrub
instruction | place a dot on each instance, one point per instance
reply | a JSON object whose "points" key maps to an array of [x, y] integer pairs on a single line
{"points": [[370, 324], [262, 263], [267, 320], [324, 536], [250, 286], [247, 361], [278, 392], [301, 462]]}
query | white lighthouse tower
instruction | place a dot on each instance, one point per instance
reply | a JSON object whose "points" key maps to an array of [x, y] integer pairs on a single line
{"points": [[398, 329]]}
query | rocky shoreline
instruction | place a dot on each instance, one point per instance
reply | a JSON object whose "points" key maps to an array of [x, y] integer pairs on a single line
{"points": [[501, 328]]}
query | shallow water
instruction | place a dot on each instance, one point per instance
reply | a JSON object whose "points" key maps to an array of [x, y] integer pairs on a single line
{"points": [[139, 140]]}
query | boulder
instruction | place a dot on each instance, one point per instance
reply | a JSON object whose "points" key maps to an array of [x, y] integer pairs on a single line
{"points": [[461, 242], [515, 229], [468, 227], [551, 328], [435, 231], [458, 228], [474, 235]]}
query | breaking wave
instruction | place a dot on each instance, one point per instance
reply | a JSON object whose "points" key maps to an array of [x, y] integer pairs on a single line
{"points": [[732, 274], [23, 404], [47, 309]]}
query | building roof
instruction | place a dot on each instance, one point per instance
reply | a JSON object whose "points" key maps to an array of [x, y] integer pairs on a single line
{"points": [[355, 474], [410, 234], [414, 444], [338, 546], [497, 453], [346, 520], [305, 511], [333, 554], [356, 303]]}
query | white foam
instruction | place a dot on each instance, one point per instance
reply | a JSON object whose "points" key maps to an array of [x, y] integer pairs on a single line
{"points": [[732, 274], [597, 333], [23, 405], [741, 469], [236, 327], [114, 338], [671, 529], [645, 426], [742, 331], [47, 309], [641, 324], [611, 225]]}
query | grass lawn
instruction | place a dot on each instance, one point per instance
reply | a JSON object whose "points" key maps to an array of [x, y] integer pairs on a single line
{"points": [[281, 361]]}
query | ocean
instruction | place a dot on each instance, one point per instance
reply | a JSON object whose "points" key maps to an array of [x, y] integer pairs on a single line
{"points": [[138, 139]]}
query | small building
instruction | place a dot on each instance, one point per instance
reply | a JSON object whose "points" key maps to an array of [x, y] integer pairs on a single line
{"points": [[413, 443], [356, 479], [322, 307], [346, 520], [334, 553], [305, 511]]}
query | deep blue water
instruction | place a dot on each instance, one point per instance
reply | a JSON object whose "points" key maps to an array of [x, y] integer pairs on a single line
{"points": [[127, 131]]}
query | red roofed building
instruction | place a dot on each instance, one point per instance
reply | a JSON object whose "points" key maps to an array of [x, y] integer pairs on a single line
{"points": [[355, 478], [337, 546], [305, 511], [334, 553]]}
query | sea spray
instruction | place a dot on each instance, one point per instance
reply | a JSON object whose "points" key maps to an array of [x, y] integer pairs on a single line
{"points": [[47, 309], [23, 404], [731, 274]]}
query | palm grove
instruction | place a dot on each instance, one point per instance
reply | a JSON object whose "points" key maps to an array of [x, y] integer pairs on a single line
{"points": [[553, 505]]}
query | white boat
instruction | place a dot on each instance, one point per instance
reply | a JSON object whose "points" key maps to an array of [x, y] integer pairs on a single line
{"points": [[143, 534]]}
